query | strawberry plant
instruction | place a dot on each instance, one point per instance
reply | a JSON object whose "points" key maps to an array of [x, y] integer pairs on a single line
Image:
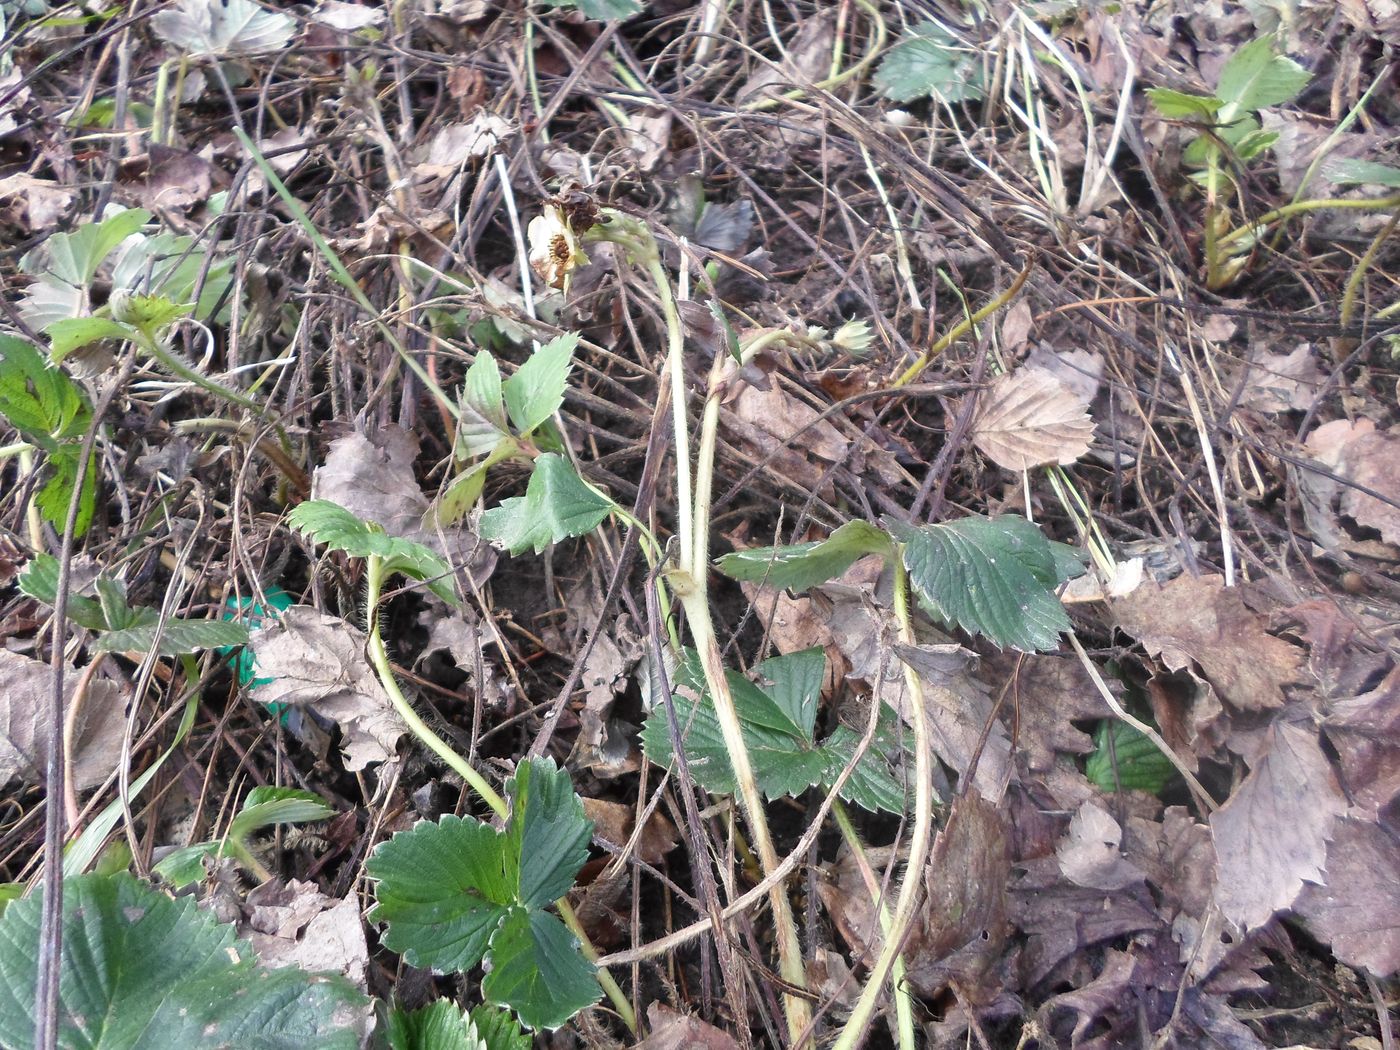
{"points": [[459, 893], [264, 807]]}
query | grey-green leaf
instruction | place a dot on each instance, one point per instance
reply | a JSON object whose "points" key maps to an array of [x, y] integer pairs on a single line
{"points": [[929, 62], [990, 576], [141, 971], [179, 636], [802, 565]]}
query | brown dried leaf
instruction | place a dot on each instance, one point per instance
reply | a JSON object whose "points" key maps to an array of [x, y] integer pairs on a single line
{"points": [[1272, 833], [1283, 382], [1080, 370], [614, 823], [1090, 853], [1358, 910], [796, 444], [294, 924], [33, 205], [1029, 418], [1202, 620], [963, 926], [671, 1030], [26, 700], [1365, 730], [315, 660]]}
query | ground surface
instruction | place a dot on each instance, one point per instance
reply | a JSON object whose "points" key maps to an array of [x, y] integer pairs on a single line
{"points": [[1024, 232]]}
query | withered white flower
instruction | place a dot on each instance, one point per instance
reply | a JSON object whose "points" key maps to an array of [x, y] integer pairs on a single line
{"points": [[554, 250]]}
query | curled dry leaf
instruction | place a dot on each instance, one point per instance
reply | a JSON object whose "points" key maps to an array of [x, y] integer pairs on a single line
{"points": [[318, 661], [614, 823], [1204, 621], [26, 698], [789, 435], [1029, 418], [1272, 834], [1283, 382], [671, 1030]]}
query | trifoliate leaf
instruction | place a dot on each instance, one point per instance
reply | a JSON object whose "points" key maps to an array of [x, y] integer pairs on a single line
{"points": [[777, 726], [930, 62], [557, 505], [536, 390], [538, 971], [140, 970], [1255, 77], [339, 529], [222, 27], [458, 891], [990, 576], [802, 565]]}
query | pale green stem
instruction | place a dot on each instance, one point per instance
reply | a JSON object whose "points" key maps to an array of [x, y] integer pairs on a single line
{"points": [[379, 658], [1213, 243], [919, 844], [1299, 207], [903, 1000], [675, 363], [1358, 273]]}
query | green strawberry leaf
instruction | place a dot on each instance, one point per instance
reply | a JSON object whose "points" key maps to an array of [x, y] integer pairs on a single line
{"points": [[990, 576], [483, 415], [340, 530], [930, 62], [73, 333], [140, 970], [40, 580], [777, 726], [458, 892], [37, 399], [803, 565], [1123, 759], [536, 390], [1178, 105], [1256, 76], [538, 971], [557, 505]]}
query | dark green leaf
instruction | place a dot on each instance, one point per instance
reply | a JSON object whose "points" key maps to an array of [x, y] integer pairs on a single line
{"points": [[547, 834], [442, 889], [557, 505], [538, 971], [777, 734], [803, 565], [1124, 759], [141, 971], [497, 1029], [40, 580], [441, 1025], [37, 399], [990, 576]]}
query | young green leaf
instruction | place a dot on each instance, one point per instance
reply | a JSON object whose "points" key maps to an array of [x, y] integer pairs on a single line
{"points": [[40, 580], [777, 724], [930, 62], [1178, 105], [803, 565], [536, 390], [1256, 76], [456, 892], [557, 505], [37, 399], [140, 969], [263, 808], [340, 530], [990, 576]]}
